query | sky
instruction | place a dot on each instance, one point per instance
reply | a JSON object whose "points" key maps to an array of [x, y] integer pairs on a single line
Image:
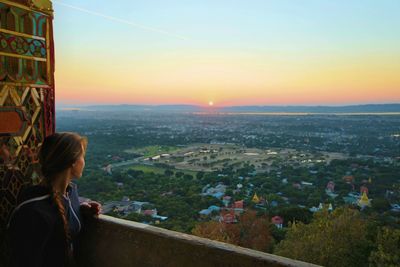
{"points": [[228, 52]]}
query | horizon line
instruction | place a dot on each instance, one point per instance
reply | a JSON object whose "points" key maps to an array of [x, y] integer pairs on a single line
{"points": [[224, 106]]}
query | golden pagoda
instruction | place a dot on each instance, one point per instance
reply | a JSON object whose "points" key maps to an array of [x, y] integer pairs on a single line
{"points": [[364, 201], [255, 198]]}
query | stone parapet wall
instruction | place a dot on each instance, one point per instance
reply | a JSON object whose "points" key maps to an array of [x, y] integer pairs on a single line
{"points": [[109, 241]]}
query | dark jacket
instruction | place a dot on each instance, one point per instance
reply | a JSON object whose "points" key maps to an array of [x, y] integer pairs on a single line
{"points": [[36, 230]]}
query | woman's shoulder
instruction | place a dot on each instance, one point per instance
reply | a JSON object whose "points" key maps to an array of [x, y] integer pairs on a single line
{"points": [[72, 190], [72, 186], [34, 202], [32, 193]]}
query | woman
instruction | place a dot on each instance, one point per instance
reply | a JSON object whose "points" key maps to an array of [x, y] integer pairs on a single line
{"points": [[45, 225]]}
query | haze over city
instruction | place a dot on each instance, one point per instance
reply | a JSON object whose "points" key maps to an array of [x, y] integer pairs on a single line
{"points": [[272, 126], [227, 52]]}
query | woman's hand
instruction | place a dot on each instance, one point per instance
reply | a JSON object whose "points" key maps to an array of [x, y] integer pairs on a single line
{"points": [[91, 208]]}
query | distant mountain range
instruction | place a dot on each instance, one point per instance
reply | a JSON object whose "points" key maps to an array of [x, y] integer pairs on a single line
{"points": [[368, 108]]}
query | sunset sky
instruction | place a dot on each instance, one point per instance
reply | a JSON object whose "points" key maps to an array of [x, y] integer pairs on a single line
{"points": [[230, 52]]}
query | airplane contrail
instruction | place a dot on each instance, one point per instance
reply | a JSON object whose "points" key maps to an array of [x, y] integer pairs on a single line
{"points": [[130, 23]]}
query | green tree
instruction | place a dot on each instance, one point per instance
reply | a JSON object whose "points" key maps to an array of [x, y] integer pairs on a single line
{"points": [[387, 252], [188, 177], [250, 231], [199, 175], [179, 174], [339, 238], [380, 204], [168, 172], [297, 214]]}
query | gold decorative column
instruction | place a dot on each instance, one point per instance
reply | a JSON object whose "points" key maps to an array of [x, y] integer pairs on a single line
{"points": [[26, 94]]}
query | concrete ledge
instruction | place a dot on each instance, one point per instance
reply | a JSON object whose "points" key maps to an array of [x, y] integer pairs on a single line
{"points": [[112, 242]]}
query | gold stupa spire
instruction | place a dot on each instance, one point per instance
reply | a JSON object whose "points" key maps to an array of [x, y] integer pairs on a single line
{"points": [[255, 198], [364, 200]]}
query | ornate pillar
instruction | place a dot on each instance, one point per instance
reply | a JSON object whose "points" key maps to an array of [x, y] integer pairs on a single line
{"points": [[26, 94]]}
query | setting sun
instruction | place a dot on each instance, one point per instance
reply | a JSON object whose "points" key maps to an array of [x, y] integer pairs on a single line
{"points": [[287, 53]]}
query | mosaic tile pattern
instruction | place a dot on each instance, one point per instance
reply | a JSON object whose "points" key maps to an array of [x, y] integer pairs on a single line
{"points": [[26, 96]]}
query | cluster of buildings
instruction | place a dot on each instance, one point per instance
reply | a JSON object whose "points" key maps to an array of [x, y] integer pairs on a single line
{"points": [[231, 210], [126, 206], [360, 199], [320, 207], [218, 191]]}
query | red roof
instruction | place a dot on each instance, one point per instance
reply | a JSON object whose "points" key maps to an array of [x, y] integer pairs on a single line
{"points": [[348, 178], [277, 220], [297, 185], [148, 212], [364, 189], [238, 204], [228, 218], [331, 186]]}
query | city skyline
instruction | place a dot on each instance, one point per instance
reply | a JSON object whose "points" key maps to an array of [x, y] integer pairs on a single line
{"points": [[227, 52]]}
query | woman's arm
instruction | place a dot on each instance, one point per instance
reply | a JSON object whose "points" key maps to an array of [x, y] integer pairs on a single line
{"points": [[86, 208]]}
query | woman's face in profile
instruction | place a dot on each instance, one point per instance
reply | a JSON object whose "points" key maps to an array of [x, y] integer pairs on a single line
{"points": [[78, 166]]}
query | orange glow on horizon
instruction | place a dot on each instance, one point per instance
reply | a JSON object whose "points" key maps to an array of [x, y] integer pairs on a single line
{"points": [[266, 53], [230, 79]]}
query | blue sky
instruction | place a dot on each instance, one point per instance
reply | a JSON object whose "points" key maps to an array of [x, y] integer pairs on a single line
{"points": [[304, 32]]}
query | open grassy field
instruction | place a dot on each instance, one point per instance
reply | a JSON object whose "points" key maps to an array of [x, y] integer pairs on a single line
{"points": [[205, 157], [158, 170], [151, 151]]}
